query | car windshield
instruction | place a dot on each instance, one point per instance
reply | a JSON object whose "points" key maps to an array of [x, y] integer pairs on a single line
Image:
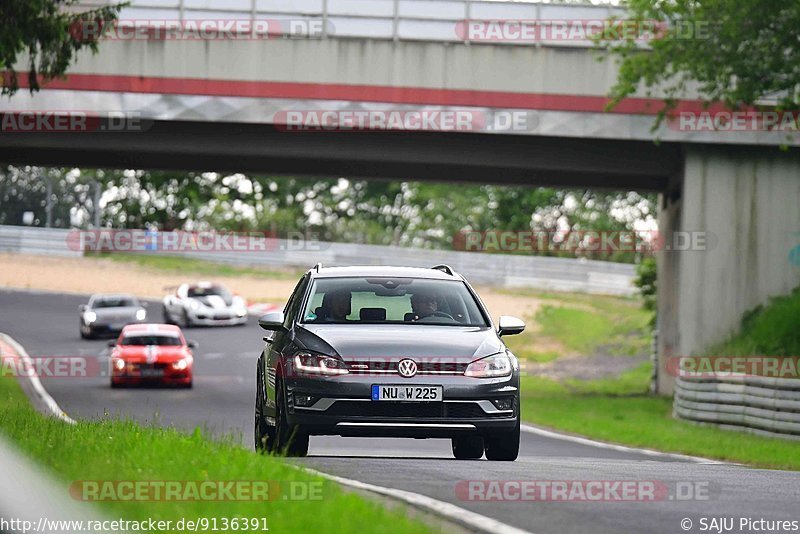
{"points": [[392, 301], [114, 302], [151, 339], [198, 291]]}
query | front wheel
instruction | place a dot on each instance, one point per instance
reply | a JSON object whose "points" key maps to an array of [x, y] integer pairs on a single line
{"points": [[86, 331], [264, 434], [167, 316], [291, 440], [503, 446], [185, 322], [468, 447]]}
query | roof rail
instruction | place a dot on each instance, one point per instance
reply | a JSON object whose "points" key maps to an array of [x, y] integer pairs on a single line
{"points": [[318, 266], [445, 269]]}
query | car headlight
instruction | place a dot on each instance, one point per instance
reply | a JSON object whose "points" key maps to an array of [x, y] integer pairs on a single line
{"points": [[118, 364], [180, 365], [141, 314], [489, 367], [319, 364], [193, 304], [89, 316]]}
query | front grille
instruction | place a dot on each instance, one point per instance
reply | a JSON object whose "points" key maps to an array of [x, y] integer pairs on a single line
{"points": [[410, 410], [140, 366], [147, 370], [387, 366], [442, 367], [386, 409]]}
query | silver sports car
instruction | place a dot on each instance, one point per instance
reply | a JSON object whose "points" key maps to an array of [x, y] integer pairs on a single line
{"points": [[108, 314], [204, 304]]}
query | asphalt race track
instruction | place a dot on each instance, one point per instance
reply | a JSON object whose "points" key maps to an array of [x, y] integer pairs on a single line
{"points": [[222, 403]]}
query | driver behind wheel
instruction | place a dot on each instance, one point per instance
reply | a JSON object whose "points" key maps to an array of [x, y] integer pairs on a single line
{"points": [[424, 304]]}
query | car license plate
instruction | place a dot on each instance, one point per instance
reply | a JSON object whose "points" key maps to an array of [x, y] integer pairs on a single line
{"points": [[149, 372], [406, 393]]}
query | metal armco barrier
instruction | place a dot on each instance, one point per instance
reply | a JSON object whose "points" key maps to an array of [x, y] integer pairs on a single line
{"points": [[769, 406], [502, 270], [33, 240]]}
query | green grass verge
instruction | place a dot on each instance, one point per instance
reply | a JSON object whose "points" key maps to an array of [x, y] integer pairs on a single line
{"points": [[121, 450], [584, 324], [183, 265], [579, 331], [619, 410], [773, 330]]}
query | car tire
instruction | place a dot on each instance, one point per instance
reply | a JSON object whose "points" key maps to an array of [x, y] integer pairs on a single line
{"points": [[503, 446], [264, 434], [468, 447], [291, 440], [167, 317], [86, 331], [185, 322]]}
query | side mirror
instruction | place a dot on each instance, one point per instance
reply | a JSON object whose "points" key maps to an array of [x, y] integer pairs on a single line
{"points": [[272, 321], [83, 307], [112, 343], [192, 344], [509, 325]]}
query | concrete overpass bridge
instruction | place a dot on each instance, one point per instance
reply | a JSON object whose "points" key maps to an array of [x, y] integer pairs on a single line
{"points": [[243, 100]]}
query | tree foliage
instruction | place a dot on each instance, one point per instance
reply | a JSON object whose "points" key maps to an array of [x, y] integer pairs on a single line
{"points": [[647, 282], [738, 52], [418, 214], [46, 34]]}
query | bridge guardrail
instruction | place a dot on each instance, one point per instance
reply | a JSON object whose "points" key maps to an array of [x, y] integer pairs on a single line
{"points": [[503, 270], [422, 20], [760, 405]]}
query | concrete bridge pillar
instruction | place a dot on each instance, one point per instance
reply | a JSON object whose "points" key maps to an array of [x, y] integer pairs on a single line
{"points": [[745, 201]]}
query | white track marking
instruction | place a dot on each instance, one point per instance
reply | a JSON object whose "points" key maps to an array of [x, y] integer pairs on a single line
{"points": [[49, 402], [454, 513], [612, 446]]}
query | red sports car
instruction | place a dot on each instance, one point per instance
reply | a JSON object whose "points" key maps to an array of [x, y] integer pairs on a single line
{"points": [[151, 353]]}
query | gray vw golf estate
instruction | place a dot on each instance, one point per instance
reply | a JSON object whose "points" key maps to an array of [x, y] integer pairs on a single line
{"points": [[388, 351]]}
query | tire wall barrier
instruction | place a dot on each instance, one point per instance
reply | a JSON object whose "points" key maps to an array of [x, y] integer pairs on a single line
{"points": [[768, 406]]}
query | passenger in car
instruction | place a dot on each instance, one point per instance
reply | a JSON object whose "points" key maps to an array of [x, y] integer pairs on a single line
{"points": [[336, 306]]}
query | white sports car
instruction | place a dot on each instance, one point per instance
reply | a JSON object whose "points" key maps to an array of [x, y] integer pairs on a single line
{"points": [[204, 304]]}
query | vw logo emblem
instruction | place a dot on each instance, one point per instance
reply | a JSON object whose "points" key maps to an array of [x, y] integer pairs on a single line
{"points": [[407, 368]]}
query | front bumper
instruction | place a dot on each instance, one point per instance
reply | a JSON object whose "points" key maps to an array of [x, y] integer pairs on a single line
{"points": [[101, 327], [133, 374], [343, 406], [209, 318]]}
